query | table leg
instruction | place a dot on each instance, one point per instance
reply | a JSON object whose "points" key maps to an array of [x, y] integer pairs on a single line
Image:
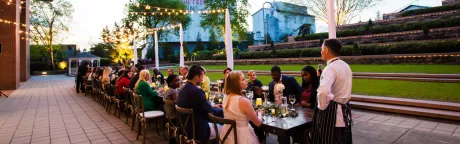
{"points": [[284, 139]]}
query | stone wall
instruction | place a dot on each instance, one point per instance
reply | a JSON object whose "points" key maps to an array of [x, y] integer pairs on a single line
{"points": [[439, 33], [436, 58], [401, 20], [450, 2]]}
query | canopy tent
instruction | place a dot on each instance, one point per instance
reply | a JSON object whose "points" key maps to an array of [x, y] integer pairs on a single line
{"points": [[84, 56]]}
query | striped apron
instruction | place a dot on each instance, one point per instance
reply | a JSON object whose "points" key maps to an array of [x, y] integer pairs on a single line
{"points": [[324, 122]]}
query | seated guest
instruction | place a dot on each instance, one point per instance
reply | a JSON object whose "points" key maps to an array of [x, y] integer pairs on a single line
{"points": [[310, 83], [170, 72], [191, 97], [124, 83], [90, 74], [100, 73], [239, 108], [116, 80], [155, 78], [291, 87], [135, 78], [134, 70], [150, 97], [184, 72], [254, 85], [206, 84], [226, 71], [105, 77]]}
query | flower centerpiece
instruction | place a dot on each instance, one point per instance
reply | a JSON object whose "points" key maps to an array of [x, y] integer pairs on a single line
{"points": [[278, 93]]}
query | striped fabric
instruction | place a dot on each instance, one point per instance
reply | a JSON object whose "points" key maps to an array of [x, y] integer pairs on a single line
{"points": [[324, 124]]}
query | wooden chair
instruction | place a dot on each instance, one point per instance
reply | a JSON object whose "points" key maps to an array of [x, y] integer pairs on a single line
{"points": [[110, 98], [88, 87], [118, 101], [170, 125], [97, 89], [143, 115], [183, 123], [216, 120], [128, 105]]}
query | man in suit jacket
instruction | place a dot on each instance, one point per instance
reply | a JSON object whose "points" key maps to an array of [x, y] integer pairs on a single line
{"points": [[157, 73], [290, 85], [82, 69], [191, 97]]}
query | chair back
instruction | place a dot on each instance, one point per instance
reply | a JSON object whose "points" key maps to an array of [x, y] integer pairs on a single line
{"points": [[114, 88], [183, 123], [126, 92], [169, 106], [138, 104], [217, 120]]}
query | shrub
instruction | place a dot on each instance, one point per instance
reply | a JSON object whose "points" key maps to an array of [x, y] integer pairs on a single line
{"points": [[39, 66], [105, 62], [426, 31], [389, 28], [347, 50], [431, 10]]}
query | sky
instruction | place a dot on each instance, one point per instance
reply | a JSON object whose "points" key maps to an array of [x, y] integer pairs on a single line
{"points": [[91, 16]]}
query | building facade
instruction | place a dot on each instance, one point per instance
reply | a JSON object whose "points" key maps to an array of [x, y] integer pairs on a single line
{"points": [[279, 20], [14, 43]]}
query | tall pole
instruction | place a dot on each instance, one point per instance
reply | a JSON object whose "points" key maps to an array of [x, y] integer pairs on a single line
{"points": [[228, 40], [157, 61], [135, 51], [181, 53], [331, 19]]}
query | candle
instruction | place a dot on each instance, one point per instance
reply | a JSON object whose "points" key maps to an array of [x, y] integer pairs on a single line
{"points": [[220, 100], [273, 111], [207, 95], [258, 101]]}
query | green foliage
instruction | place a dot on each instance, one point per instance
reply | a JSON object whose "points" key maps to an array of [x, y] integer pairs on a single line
{"points": [[426, 31], [187, 55], [373, 49], [199, 44], [390, 28], [368, 26], [155, 21], [284, 38], [268, 39], [213, 43], [250, 39], [205, 54], [238, 10], [431, 10], [356, 49], [105, 62], [101, 50], [173, 58]]}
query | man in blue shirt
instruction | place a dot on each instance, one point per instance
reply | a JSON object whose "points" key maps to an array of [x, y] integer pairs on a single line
{"points": [[191, 97]]}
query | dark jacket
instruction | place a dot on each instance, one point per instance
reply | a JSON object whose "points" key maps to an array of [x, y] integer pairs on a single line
{"points": [[133, 81], [252, 87], [82, 70], [290, 87], [194, 98]]}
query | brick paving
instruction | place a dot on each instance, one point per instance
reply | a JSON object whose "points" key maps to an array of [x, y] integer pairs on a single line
{"points": [[46, 109]]}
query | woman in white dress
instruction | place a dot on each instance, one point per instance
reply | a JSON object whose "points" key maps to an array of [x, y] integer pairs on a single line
{"points": [[238, 108]]}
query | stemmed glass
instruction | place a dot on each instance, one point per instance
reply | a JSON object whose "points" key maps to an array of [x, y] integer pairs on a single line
{"points": [[292, 101], [249, 95]]}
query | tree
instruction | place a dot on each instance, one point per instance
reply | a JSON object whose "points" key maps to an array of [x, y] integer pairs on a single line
{"points": [[186, 51], [100, 50], [250, 38], [378, 16], [345, 11], [238, 10], [199, 44], [48, 19], [268, 39], [426, 30], [368, 26], [156, 21], [213, 43]]}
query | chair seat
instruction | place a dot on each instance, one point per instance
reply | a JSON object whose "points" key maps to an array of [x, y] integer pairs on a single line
{"points": [[152, 114]]}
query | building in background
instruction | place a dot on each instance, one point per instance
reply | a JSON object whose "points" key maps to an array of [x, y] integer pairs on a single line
{"points": [[281, 19]]}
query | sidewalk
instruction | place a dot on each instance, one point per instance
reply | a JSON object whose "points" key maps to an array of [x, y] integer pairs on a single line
{"points": [[46, 109]]}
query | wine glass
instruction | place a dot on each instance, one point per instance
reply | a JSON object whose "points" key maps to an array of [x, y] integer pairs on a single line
{"points": [[292, 101], [284, 110], [249, 94]]}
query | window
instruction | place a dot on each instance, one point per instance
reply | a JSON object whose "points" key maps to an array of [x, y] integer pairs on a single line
{"points": [[258, 34]]}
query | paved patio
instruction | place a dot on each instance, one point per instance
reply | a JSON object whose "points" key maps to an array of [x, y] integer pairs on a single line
{"points": [[46, 109]]}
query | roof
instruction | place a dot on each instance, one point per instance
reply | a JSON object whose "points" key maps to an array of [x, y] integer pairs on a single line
{"points": [[288, 8], [414, 6], [85, 55]]}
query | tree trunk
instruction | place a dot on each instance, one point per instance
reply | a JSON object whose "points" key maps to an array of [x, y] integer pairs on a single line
{"points": [[51, 46]]}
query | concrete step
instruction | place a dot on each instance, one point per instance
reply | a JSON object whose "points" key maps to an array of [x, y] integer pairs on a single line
{"points": [[449, 106], [416, 111]]}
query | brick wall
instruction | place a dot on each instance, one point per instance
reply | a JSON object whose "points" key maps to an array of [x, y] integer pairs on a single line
{"points": [[9, 37]]}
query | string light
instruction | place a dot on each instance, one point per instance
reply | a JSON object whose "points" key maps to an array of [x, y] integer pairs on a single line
{"points": [[10, 3], [10, 22], [179, 12]]}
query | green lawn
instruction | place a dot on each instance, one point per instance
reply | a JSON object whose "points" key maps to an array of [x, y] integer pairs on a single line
{"points": [[390, 88], [431, 69]]}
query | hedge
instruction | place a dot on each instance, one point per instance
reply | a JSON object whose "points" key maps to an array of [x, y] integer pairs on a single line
{"points": [[347, 50], [431, 10], [388, 28]]}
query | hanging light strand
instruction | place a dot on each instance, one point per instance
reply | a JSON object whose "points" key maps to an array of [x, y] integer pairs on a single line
{"points": [[12, 3], [152, 30], [3, 21], [182, 12]]}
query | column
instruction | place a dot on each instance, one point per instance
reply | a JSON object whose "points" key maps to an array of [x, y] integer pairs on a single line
{"points": [[9, 55], [24, 42], [331, 19], [70, 67]]}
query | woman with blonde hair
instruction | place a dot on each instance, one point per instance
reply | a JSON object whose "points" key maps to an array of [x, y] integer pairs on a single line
{"points": [[105, 77], [150, 98], [239, 108]]}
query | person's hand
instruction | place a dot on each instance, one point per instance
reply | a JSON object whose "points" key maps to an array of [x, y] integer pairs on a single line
{"points": [[217, 106], [305, 104], [161, 90]]}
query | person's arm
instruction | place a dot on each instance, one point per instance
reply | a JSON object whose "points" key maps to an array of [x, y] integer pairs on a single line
{"points": [[205, 104], [324, 90], [247, 108], [271, 86]]}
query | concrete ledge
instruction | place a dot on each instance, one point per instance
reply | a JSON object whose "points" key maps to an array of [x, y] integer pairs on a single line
{"points": [[450, 106]]}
